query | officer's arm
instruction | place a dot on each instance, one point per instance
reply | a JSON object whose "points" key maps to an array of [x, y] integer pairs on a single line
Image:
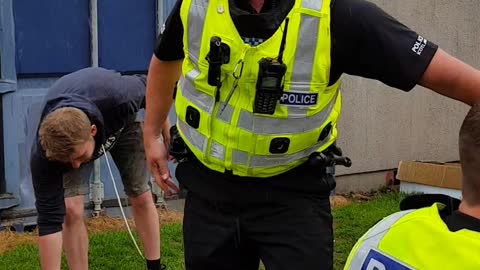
{"points": [[451, 77], [162, 76], [161, 80]]}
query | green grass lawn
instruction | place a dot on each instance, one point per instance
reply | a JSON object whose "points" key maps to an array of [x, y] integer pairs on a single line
{"points": [[114, 250]]}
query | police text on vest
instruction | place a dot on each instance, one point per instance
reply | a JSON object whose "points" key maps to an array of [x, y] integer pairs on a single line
{"points": [[378, 261], [298, 99]]}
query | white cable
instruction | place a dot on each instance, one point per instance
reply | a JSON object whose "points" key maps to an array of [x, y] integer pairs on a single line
{"points": [[120, 203]]}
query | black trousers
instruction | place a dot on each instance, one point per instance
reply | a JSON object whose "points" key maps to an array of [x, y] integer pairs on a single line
{"points": [[256, 221]]}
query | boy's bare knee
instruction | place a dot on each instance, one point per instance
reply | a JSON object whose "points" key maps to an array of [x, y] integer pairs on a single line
{"points": [[74, 211], [142, 201]]}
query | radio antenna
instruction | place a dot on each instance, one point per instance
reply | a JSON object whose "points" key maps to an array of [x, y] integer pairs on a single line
{"points": [[284, 40]]}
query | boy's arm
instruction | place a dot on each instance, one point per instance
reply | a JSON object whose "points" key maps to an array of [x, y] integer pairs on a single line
{"points": [[48, 186]]}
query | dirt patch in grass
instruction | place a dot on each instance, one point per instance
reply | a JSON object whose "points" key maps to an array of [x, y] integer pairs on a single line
{"points": [[169, 217], [108, 224], [339, 201], [342, 199], [10, 240]]}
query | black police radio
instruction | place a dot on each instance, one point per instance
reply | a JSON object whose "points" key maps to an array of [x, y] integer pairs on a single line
{"points": [[269, 86], [270, 81]]}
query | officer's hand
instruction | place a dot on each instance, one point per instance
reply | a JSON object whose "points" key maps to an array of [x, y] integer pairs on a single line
{"points": [[156, 155]]}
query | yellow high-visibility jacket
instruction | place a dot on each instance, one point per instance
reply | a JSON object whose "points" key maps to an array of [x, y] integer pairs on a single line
{"points": [[237, 139], [416, 239]]}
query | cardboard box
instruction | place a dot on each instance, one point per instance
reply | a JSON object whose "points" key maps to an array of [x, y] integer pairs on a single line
{"points": [[442, 175]]}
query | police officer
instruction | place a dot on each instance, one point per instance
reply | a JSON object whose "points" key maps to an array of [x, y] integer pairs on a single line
{"points": [[257, 98], [432, 237]]}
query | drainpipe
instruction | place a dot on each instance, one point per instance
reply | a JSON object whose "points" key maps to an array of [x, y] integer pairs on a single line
{"points": [[96, 187], [158, 195]]}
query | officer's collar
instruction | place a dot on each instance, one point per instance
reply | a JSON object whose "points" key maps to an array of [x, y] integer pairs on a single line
{"points": [[458, 221], [247, 7]]}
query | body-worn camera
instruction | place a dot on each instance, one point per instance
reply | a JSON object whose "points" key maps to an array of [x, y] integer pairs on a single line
{"points": [[218, 55], [269, 85]]}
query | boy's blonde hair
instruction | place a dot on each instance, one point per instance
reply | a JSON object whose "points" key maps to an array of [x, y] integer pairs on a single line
{"points": [[62, 130]]}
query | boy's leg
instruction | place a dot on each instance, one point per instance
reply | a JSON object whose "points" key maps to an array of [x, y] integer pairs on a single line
{"points": [[75, 238], [129, 156]]}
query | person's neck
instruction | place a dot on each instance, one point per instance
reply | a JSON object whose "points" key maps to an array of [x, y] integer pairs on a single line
{"points": [[257, 4], [473, 211]]}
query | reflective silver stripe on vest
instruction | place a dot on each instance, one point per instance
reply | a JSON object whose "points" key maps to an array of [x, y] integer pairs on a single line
{"points": [[373, 238], [277, 160], [196, 19], [306, 43], [201, 100], [192, 75], [273, 126], [217, 151], [305, 53], [226, 115], [241, 158], [193, 136], [312, 4]]}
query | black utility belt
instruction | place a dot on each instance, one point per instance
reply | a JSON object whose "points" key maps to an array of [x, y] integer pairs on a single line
{"points": [[307, 166]]}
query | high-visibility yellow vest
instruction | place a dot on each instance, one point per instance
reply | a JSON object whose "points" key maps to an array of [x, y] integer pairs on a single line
{"points": [[237, 139], [416, 239]]}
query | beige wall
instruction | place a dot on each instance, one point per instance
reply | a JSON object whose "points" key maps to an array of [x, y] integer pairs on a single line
{"points": [[379, 125]]}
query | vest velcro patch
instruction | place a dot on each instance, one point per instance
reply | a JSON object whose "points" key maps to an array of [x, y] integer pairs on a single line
{"points": [[298, 99]]}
